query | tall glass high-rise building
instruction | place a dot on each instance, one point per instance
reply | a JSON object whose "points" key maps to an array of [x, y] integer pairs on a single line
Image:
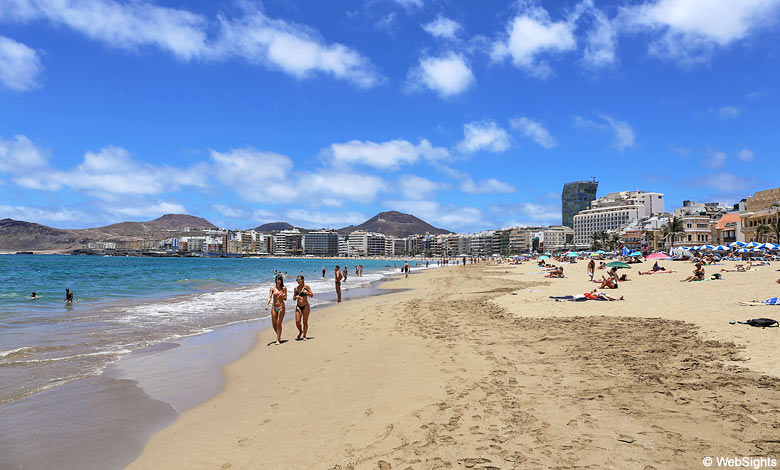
{"points": [[576, 196]]}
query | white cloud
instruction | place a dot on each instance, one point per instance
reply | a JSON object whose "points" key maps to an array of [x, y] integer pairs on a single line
{"points": [[444, 216], [337, 185], [228, 211], [601, 41], [726, 182], [19, 65], [717, 159], [726, 112], [746, 155], [538, 213], [531, 34], [442, 27], [325, 219], [41, 215], [410, 3], [256, 176], [20, 155], [691, 29], [534, 131], [386, 155], [483, 135], [254, 38], [146, 209], [624, 135], [490, 185], [417, 187], [295, 49], [448, 75]]}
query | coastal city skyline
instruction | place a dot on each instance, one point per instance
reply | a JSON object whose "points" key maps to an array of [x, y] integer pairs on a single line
{"points": [[245, 113]]}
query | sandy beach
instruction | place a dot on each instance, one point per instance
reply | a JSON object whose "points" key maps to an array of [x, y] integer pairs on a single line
{"points": [[476, 367]]}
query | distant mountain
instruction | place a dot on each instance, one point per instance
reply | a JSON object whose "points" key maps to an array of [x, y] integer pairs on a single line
{"points": [[274, 227], [168, 222], [16, 235], [396, 224]]}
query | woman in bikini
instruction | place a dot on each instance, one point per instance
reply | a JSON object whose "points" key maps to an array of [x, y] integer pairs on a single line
{"points": [[698, 274], [278, 295], [301, 295]]}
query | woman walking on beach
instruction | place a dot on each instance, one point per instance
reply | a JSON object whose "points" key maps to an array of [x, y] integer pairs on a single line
{"points": [[301, 295], [278, 295], [591, 269]]}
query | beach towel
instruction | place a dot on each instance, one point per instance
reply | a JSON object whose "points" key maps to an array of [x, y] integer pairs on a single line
{"points": [[773, 301], [761, 323]]}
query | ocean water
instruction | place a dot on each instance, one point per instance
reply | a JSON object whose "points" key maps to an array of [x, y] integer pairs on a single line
{"points": [[124, 304]]}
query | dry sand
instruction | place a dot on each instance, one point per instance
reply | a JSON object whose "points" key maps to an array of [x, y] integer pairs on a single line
{"points": [[475, 367]]}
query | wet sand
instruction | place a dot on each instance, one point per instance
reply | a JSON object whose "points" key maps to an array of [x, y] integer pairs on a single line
{"points": [[476, 367]]}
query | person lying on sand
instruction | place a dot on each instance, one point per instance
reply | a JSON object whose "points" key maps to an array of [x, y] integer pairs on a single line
{"points": [[698, 274], [656, 270], [592, 295], [739, 268], [557, 272]]}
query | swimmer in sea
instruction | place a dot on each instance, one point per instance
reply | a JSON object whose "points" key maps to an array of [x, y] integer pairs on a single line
{"points": [[301, 295], [33, 296], [277, 294], [68, 296]]}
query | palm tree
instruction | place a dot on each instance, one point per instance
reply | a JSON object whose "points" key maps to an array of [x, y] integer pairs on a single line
{"points": [[614, 241], [672, 228], [599, 240], [771, 230]]}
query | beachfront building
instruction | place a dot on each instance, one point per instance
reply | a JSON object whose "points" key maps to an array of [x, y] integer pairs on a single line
{"points": [[614, 211], [288, 243], [358, 243], [481, 244], [519, 240], [558, 238], [728, 229], [763, 208], [576, 197], [321, 243], [343, 246], [375, 244]]}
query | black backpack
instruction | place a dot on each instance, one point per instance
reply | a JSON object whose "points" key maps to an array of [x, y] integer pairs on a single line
{"points": [[761, 322]]}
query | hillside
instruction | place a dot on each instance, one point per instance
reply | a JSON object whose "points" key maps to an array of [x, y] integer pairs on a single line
{"points": [[274, 227], [168, 222], [396, 224], [16, 235]]}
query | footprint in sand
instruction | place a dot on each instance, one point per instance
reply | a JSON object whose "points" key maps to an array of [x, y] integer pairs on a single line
{"points": [[384, 465]]}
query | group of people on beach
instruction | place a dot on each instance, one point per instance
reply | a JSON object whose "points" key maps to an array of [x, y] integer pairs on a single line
{"points": [[277, 298]]}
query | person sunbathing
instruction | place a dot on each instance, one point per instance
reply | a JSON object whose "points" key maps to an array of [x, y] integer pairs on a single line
{"points": [[698, 274], [557, 272], [603, 265], [608, 283]]}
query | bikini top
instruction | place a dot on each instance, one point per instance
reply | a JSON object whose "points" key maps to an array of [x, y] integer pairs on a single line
{"points": [[301, 293]]}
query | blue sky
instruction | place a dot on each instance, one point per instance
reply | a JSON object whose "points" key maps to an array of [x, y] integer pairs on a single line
{"points": [[470, 115]]}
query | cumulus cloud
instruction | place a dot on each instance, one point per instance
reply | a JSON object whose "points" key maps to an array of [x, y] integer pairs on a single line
{"points": [[447, 75], [20, 155], [623, 134], [410, 3], [490, 185], [601, 40], [442, 27], [532, 213], [256, 176], [716, 160], [417, 187], [41, 215], [746, 155], [534, 131], [726, 182], [228, 211], [530, 35], [325, 219], [339, 185], [148, 209], [386, 155], [19, 65], [445, 216], [254, 38], [483, 135], [691, 29]]}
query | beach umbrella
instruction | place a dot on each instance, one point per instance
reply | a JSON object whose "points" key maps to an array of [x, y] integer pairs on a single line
{"points": [[768, 246], [736, 244], [573, 254], [548, 254], [544, 257], [619, 265], [721, 248], [707, 247], [658, 256], [743, 250], [636, 253], [751, 245]]}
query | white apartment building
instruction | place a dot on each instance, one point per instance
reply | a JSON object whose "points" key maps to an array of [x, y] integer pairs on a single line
{"points": [[288, 242], [321, 243], [557, 238], [613, 211], [375, 244], [357, 243], [481, 244]]}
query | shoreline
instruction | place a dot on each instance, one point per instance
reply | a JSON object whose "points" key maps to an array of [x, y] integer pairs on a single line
{"points": [[389, 380], [136, 396]]}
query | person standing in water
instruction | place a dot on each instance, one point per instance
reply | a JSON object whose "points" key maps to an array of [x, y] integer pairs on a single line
{"points": [[344, 273], [323, 271], [406, 268], [68, 296], [278, 295], [301, 295], [337, 276]]}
